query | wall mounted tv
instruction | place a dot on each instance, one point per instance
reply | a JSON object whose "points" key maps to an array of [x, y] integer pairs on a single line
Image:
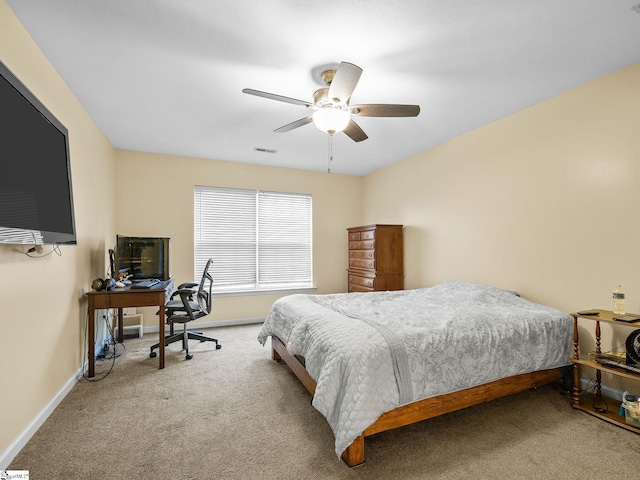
{"points": [[36, 199], [142, 257]]}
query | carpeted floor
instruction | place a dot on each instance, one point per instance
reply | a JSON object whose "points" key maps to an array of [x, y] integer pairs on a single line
{"points": [[236, 414]]}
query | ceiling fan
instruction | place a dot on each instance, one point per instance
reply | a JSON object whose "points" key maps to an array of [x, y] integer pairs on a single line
{"points": [[332, 111]]}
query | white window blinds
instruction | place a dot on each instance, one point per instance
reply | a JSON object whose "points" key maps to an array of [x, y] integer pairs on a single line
{"points": [[257, 239]]}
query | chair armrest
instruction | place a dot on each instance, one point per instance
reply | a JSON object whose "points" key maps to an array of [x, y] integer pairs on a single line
{"points": [[186, 297], [186, 291], [183, 291], [187, 285]]}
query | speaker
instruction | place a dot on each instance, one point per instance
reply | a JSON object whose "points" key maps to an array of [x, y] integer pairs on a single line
{"points": [[100, 284]]}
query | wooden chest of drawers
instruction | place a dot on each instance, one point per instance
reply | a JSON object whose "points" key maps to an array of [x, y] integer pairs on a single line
{"points": [[376, 258]]}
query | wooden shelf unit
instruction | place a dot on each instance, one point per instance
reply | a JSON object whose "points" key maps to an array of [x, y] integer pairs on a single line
{"points": [[593, 403]]}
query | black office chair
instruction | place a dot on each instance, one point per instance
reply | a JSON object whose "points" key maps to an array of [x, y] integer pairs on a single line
{"points": [[186, 309]]}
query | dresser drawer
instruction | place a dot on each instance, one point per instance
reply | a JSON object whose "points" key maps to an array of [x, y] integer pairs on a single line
{"points": [[362, 245], [361, 281], [368, 235], [354, 236], [362, 263], [359, 288], [362, 254]]}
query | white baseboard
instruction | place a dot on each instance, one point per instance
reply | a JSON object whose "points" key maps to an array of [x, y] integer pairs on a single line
{"points": [[607, 391], [212, 324], [12, 450]]}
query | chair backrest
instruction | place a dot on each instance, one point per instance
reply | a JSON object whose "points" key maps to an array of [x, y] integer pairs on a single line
{"points": [[204, 290]]}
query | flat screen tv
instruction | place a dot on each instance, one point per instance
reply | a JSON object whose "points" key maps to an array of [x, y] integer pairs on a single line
{"points": [[142, 257], [36, 199]]}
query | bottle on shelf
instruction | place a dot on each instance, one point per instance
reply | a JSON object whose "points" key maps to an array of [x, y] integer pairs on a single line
{"points": [[618, 300]]}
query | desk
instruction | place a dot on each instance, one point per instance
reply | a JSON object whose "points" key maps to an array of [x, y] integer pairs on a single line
{"points": [[125, 298]]}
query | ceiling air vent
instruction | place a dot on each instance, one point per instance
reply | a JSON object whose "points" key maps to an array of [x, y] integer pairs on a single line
{"points": [[265, 150]]}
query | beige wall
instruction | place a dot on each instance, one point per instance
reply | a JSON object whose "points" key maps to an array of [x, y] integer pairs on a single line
{"points": [[545, 201], [42, 317], [336, 206]]}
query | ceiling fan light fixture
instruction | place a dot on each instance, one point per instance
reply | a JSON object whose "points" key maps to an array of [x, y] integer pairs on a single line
{"points": [[331, 119], [331, 103]]}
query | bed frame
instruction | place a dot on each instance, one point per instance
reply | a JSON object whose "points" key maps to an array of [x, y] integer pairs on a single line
{"points": [[422, 409]]}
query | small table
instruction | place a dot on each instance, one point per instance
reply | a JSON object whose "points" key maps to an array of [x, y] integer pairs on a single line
{"points": [[127, 297]]}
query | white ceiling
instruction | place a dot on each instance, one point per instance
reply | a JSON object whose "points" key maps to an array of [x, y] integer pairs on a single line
{"points": [[166, 76]]}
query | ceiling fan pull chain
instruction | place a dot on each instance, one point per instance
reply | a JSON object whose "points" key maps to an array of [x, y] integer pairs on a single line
{"points": [[330, 154]]}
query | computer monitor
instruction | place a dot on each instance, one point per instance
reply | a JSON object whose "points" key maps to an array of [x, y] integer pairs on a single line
{"points": [[142, 257]]}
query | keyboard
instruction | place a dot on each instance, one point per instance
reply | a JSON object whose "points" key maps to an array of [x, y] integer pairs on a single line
{"points": [[148, 283]]}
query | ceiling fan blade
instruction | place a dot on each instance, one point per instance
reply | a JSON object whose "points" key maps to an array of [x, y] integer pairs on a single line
{"points": [[273, 96], [344, 82], [354, 132], [385, 110], [296, 124]]}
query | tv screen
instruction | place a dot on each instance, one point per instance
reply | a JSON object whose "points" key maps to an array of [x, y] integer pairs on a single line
{"points": [[142, 257], [36, 199]]}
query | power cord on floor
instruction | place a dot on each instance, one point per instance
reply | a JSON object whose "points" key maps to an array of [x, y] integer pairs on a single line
{"points": [[104, 360], [599, 403]]}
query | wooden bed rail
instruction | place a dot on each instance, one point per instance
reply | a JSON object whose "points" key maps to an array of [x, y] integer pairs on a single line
{"points": [[423, 409], [280, 352]]}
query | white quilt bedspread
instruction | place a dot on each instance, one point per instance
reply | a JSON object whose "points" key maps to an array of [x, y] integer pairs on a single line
{"points": [[371, 352]]}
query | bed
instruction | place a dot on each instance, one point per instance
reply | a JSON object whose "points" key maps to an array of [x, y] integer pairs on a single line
{"points": [[380, 360]]}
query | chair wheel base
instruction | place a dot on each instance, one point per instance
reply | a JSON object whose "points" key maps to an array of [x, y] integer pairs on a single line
{"points": [[188, 356], [218, 346], [153, 355]]}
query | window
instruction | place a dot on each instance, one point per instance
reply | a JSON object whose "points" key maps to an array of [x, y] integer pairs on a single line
{"points": [[258, 240]]}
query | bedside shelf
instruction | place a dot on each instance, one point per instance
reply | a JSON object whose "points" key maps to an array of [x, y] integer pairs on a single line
{"points": [[588, 402]]}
